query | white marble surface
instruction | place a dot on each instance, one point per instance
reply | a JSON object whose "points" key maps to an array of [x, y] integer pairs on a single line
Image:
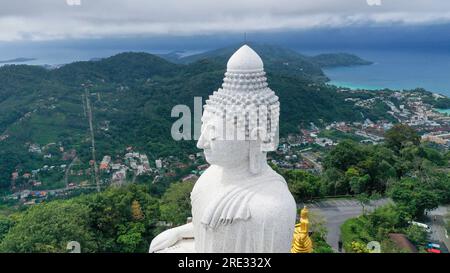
{"points": [[185, 245], [245, 59]]}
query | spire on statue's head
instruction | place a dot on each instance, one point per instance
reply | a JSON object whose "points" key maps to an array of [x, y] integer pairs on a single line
{"points": [[245, 60]]}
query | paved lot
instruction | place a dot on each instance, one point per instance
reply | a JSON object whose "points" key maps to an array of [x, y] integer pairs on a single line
{"points": [[336, 212]]}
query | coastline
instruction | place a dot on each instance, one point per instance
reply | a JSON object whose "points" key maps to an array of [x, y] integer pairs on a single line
{"points": [[396, 71], [353, 86], [443, 111]]}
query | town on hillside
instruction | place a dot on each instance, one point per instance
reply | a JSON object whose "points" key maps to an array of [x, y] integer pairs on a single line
{"points": [[64, 174]]}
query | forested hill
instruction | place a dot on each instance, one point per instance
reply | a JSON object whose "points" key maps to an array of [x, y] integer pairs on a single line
{"points": [[132, 95]]}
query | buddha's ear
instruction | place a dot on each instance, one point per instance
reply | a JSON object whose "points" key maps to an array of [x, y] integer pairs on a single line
{"points": [[256, 155]]}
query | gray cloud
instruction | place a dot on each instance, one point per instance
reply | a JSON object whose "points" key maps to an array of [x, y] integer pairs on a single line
{"points": [[54, 19]]}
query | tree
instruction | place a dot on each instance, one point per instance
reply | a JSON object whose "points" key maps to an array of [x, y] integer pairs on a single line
{"points": [[130, 235], [303, 185], [379, 166], [374, 226], [401, 136], [317, 224], [136, 211], [414, 196], [335, 182], [385, 219], [363, 200], [357, 182], [175, 204], [345, 155], [49, 227], [117, 220], [114, 222]]}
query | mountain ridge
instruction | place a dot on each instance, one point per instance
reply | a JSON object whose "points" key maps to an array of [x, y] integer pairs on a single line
{"points": [[277, 57]]}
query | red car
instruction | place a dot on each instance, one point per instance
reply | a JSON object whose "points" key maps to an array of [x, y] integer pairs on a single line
{"points": [[434, 248]]}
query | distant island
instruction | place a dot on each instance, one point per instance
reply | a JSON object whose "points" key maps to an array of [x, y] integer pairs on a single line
{"points": [[339, 59], [17, 60]]}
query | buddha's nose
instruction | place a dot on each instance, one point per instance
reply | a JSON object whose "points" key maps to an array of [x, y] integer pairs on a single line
{"points": [[203, 142]]}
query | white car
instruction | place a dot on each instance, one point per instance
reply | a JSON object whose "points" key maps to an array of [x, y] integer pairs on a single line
{"points": [[422, 225]]}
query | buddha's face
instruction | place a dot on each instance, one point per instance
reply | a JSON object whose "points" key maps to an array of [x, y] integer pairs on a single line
{"points": [[220, 151]]}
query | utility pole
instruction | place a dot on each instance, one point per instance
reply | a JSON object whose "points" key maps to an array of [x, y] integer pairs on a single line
{"points": [[84, 105], [91, 128], [66, 174]]}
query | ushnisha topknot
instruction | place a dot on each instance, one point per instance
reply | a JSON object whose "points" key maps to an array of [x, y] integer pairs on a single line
{"points": [[245, 99]]}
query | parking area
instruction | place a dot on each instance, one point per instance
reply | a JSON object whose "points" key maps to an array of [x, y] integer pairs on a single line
{"points": [[336, 212]]}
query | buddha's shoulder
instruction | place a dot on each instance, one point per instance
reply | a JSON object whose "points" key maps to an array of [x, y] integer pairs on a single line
{"points": [[274, 194], [206, 177]]}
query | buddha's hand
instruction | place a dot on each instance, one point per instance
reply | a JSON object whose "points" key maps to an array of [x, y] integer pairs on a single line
{"points": [[169, 237], [164, 240]]}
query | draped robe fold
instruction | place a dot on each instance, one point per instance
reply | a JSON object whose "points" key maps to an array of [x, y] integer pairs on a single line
{"points": [[254, 215]]}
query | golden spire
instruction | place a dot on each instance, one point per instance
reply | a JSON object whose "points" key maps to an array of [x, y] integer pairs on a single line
{"points": [[301, 242]]}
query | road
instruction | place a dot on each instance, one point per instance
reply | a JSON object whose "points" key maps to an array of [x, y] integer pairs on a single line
{"points": [[91, 129], [336, 212], [435, 220], [308, 156]]}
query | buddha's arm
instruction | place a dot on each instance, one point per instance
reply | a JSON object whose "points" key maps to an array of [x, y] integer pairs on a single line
{"points": [[169, 237], [186, 231]]}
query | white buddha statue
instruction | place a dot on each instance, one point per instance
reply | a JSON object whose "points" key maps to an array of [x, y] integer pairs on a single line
{"points": [[239, 204]]}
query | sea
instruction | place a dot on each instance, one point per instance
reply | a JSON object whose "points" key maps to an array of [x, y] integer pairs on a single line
{"points": [[397, 70], [394, 69], [61, 56]]}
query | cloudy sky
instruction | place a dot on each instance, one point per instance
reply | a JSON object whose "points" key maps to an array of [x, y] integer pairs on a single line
{"points": [[41, 20]]}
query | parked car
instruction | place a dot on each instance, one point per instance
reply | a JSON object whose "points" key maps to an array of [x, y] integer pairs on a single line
{"points": [[422, 225], [433, 248]]}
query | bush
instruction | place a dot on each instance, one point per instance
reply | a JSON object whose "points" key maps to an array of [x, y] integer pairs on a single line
{"points": [[376, 226], [319, 244], [5, 225], [413, 196], [355, 230], [417, 235]]}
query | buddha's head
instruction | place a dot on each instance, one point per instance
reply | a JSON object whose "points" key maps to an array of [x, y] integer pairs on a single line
{"points": [[240, 120]]}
